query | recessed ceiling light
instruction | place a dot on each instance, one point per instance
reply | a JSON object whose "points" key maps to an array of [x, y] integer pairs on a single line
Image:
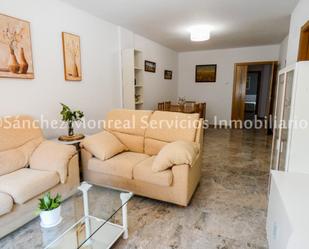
{"points": [[200, 33]]}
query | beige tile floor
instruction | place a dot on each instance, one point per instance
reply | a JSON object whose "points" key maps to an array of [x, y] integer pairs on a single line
{"points": [[227, 211]]}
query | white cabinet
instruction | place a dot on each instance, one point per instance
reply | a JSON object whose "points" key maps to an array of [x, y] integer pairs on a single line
{"points": [[291, 131], [287, 216], [132, 79]]}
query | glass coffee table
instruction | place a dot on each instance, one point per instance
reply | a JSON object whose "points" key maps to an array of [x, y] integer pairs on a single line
{"points": [[94, 218]]}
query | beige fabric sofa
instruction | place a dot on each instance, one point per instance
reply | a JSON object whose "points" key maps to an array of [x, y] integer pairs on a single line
{"points": [[132, 171], [20, 188]]}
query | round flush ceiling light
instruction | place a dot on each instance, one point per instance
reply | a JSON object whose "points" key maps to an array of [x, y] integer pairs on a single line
{"points": [[200, 33]]}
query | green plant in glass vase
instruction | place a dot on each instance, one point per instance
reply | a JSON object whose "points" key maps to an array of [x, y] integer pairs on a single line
{"points": [[70, 117]]}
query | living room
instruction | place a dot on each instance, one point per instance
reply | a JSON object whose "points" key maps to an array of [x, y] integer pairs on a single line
{"points": [[146, 181]]}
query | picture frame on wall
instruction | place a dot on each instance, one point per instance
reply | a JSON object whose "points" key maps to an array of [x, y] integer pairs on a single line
{"points": [[16, 59], [168, 74], [71, 57], [206, 73], [150, 66]]}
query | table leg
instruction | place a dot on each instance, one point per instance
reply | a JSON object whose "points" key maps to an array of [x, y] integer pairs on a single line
{"points": [[124, 199], [84, 187]]}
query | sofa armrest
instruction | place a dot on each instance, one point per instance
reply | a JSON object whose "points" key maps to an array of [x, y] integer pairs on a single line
{"points": [[186, 179], [85, 157], [52, 156]]}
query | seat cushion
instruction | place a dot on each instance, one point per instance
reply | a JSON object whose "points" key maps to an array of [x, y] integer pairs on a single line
{"points": [[119, 165], [143, 172], [6, 203], [24, 184]]}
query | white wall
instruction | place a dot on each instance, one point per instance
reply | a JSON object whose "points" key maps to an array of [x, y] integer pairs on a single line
{"points": [[156, 88], [283, 52], [100, 89], [218, 95], [101, 43], [299, 17]]}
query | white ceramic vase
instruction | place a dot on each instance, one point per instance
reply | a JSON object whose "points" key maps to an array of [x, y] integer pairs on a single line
{"points": [[51, 218]]}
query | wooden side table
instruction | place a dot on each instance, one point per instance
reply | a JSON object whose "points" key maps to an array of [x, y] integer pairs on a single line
{"points": [[76, 143]]}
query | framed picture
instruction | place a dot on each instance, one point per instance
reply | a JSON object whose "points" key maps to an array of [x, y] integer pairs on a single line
{"points": [[15, 48], [71, 57], [205, 73], [168, 75], [150, 66]]}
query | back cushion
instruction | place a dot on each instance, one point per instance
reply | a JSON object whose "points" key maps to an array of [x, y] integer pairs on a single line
{"points": [[166, 127], [16, 131], [14, 159], [129, 127]]}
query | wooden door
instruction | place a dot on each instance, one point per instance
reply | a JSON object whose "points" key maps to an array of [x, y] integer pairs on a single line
{"points": [[272, 96], [303, 52], [239, 92]]}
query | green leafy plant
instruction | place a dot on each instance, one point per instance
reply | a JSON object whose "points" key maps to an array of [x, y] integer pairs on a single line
{"points": [[48, 203], [70, 116]]}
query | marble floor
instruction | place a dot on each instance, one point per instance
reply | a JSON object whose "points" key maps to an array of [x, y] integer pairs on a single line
{"points": [[227, 211]]}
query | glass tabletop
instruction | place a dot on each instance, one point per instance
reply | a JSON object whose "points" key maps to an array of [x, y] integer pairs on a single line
{"points": [[97, 226]]}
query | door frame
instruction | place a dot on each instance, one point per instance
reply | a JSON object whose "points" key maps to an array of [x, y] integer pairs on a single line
{"points": [[272, 85]]}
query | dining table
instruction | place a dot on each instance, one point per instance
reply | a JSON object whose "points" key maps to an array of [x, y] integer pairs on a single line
{"points": [[185, 107]]}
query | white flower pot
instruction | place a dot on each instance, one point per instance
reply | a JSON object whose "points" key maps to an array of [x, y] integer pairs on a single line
{"points": [[51, 218]]}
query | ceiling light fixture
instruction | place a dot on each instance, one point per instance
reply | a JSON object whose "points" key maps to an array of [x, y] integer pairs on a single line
{"points": [[200, 33]]}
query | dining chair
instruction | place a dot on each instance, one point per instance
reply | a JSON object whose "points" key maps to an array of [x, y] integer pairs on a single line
{"points": [[176, 108], [161, 106], [202, 110], [167, 105], [189, 107]]}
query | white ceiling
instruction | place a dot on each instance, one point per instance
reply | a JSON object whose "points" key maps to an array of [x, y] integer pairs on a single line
{"points": [[236, 23]]}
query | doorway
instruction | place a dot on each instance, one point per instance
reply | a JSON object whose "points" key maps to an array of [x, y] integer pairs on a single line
{"points": [[253, 91], [253, 87]]}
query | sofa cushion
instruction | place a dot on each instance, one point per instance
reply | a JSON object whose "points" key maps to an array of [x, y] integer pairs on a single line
{"points": [[17, 130], [176, 153], [119, 165], [132, 122], [133, 142], [6, 203], [170, 127], [24, 184], [54, 157], [103, 145], [14, 159], [153, 146], [143, 172], [129, 126]]}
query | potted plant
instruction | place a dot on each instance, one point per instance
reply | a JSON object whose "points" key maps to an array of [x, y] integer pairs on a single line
{"points": [[49, 209], [70, 116]]}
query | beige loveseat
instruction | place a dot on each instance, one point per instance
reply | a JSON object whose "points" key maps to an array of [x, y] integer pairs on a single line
{"points": [[144, 133], [21, 141]]}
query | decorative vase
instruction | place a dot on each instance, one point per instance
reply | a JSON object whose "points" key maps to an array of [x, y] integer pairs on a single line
{"points": [[13, 64], [51, 218], [75, 71], [23, 62], [70, 130]]}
